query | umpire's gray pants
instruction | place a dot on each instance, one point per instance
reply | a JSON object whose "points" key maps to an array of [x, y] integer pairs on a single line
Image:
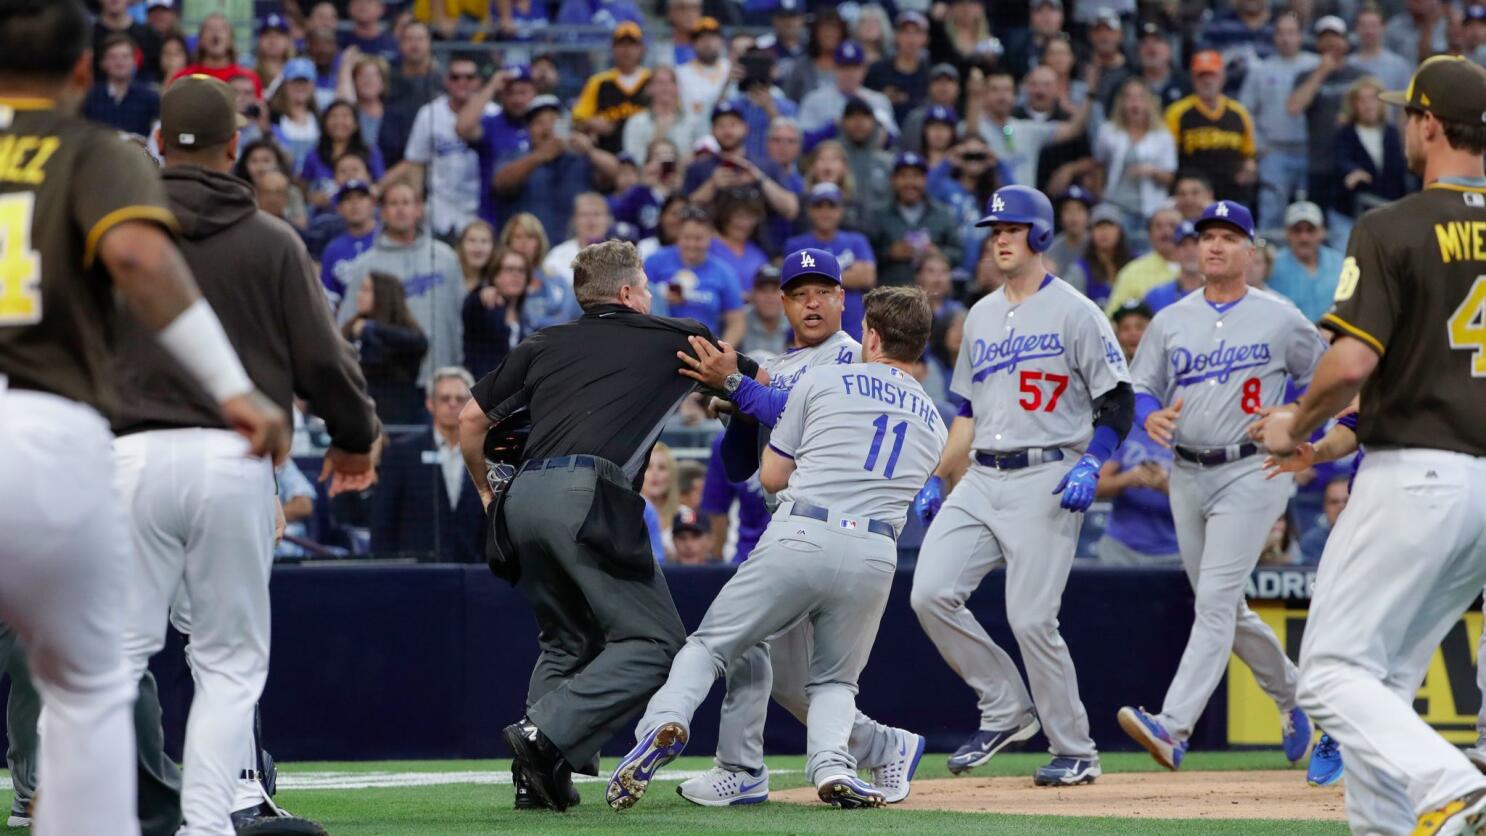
{"points": [[802, 570], [781, 667], [1223, 515], [606, 642]]}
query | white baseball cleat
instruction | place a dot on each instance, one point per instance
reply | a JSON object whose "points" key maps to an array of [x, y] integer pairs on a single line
{"points": [[893, 777], [718, 787]]}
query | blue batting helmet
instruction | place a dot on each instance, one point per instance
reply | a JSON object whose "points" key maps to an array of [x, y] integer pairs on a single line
{"points": [[1022, 205]]}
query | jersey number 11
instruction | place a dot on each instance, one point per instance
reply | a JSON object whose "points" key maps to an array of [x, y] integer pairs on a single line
{"points": [[900, 432]]}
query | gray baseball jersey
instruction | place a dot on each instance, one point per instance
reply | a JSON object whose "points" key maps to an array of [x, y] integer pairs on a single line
{"points": [[785, 370], [1225, 361], [864, 438], [1031, 371]]}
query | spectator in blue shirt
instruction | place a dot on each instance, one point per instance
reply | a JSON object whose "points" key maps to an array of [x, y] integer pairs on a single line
{"points": [[760, 102], [367, 32], [688, 282], [738, 219], [825, 208], [118, 99], [1135, 481], [1313, 541], [340, 133], [296, 503], [1306, 271], [547, 179], [499, 135], [1242, 36], [718, 497], [640, 205], [356, 206], [1188, 278], [904, 76]]}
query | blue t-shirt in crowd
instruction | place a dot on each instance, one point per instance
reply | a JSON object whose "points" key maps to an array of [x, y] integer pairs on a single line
{"points": [[1312, 293], [1164, 295], [1141, 517], [320, 174], [652, 527], [848, 248], [383, 45], [501, 139], [549, 192], [338, 252], [745, 266], [718, 495], [708, 290], [553, 304], [640, 207]]}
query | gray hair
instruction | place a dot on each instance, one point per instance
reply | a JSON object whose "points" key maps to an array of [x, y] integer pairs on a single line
{"points": [[449, 373], [600, 270], [785, 122]]}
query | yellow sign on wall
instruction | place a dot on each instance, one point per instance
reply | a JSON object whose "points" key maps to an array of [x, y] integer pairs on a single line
{"points": [[1449, 699]]}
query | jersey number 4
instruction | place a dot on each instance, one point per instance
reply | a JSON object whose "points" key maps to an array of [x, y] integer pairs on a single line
{"points": [[20, 266], [1467, 326], [1031, 399], [900, 432]]}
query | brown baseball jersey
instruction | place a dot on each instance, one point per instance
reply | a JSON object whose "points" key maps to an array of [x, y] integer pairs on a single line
{"points": [[64, 183], [1413, 288]]}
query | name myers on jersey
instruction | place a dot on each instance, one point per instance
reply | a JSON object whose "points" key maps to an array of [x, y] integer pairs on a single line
{"points": [[1220, 363], [1461, 240], [892, 395], [1012, 351]]}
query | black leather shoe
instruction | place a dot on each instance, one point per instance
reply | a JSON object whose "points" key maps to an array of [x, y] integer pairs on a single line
{"points": [[527, 800], [547, 774]]}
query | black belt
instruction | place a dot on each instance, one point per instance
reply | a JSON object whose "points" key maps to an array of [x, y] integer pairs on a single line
{"points": [[1209, 456], [815, 512], [1015, 461], [560, 463]]}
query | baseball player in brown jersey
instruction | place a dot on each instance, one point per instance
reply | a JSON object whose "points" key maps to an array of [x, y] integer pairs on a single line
{"points": [[1409, 555], [79, 207]]}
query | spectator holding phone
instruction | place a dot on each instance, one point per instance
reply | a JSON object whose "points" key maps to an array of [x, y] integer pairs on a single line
{"points": [[664, 118], [689, 282], [660, 177]]}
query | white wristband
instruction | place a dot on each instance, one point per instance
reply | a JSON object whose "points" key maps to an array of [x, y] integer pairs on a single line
{"points": [[196, 340]]}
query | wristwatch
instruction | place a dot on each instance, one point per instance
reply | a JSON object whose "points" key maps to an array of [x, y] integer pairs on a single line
{"points": [[731, 383]]}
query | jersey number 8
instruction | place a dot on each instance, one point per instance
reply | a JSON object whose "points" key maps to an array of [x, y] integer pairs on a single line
{"points": [[1467, 326], [20, 266], [1253, 397]]}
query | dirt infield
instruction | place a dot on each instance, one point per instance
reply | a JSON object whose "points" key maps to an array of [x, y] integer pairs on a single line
{"points": [[1179, 795]]}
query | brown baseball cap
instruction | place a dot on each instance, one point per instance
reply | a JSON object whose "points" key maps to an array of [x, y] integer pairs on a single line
{"points": [[197, 112], [1448, 86], [628, 31]]}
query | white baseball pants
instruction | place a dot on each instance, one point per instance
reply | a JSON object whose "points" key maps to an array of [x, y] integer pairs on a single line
{"points": [[202, 514], [63, 559]]}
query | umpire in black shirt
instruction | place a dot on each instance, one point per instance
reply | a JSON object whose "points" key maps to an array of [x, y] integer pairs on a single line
{"points": [[599, 391]]}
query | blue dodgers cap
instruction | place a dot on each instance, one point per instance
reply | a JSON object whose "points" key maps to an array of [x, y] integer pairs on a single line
{"points": [[1078, 193], [1227, 212], [908, 159], [1185, 230], [728, 107], [940, 113], [273, 21], [517, 72], [352, 187], [849, 53], [299, 69], [825, 193], [809, 262]]}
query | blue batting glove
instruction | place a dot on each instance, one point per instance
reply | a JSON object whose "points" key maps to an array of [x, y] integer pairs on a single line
{"points": [[1077, 485], [929, 499]]}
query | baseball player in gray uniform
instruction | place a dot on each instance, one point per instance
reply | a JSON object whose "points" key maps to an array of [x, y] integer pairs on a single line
{"points": [[1045, 383], [813, 302], [1214, 360], [852, 447]]}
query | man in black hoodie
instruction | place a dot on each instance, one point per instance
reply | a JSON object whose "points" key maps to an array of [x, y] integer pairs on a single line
{"points": [[202, 514]]}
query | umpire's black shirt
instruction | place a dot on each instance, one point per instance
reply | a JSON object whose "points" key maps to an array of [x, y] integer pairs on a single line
{"points": [[603, 385]]}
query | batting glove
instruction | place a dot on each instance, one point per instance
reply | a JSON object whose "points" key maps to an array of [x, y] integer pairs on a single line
{"points": [[929, 499], [1077, 485]]}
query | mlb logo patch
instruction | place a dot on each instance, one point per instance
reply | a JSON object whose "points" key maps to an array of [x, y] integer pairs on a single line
{"points": [[849, 525]]}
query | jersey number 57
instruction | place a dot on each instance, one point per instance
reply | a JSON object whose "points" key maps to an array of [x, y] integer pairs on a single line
{"points": [[1031, 390]]}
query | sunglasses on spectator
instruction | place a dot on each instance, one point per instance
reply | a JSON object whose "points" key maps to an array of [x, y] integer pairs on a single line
{"points": [[463, 76]]}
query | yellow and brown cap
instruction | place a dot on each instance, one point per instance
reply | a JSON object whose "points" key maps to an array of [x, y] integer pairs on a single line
{"points": [[1450, 87], [628, 31], [197, 112]]}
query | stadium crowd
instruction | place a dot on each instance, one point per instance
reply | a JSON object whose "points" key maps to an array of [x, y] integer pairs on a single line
{"points": [[444, 160]]}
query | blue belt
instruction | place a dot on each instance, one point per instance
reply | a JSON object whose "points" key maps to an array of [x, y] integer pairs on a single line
{"points": [[815, 512], [560, 463], [1209, 456], [1015, 461]]}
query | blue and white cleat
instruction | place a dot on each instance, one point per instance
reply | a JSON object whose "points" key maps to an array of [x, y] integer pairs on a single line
{"points": [[983, 745], [634, 773], [894, 777], [1326, 766], [1066, 772], [1296, 729], [850, 793], [718, 787], [1153, 737]]}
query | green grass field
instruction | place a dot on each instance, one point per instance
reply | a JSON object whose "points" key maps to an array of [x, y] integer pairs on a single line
{"points": [[483, 808]]}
